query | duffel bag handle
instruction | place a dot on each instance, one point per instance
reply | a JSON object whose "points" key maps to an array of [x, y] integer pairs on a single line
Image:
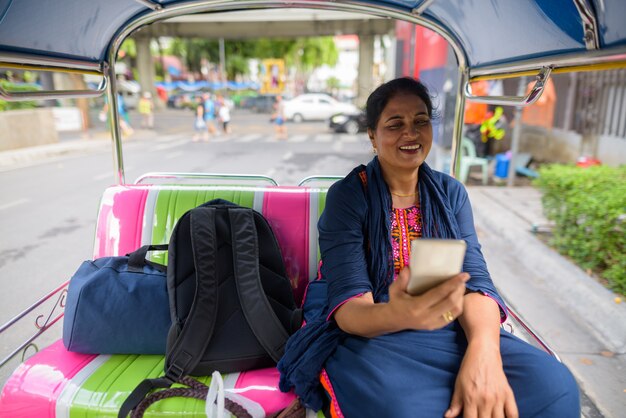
{"points": [[194, 389], [137, 259]]}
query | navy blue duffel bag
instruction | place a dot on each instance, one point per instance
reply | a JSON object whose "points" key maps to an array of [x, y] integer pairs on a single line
{"points": [[118, 305]]}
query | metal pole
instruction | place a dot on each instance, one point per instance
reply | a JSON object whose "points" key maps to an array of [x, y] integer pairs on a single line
{"points": [[570, 102], [459, 113], [517, 132], [116, 135], [161, 59], [222, 61], [47, 83]]}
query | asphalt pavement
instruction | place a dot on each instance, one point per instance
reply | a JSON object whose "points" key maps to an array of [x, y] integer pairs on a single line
{"points": [[582, 321]]}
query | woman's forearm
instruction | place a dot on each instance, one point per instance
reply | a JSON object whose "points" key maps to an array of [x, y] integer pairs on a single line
{"points": [[480, 320], [361, 316]]}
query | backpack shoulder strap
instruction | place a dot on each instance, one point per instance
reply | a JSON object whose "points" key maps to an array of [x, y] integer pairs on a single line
{"points": [[196, 334], [264, 323]]}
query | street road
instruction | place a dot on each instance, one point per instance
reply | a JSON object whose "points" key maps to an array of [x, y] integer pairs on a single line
{"points": [[48, 209]]}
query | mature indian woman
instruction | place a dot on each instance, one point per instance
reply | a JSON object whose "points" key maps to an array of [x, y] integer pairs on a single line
{"points": [[371, 349]]}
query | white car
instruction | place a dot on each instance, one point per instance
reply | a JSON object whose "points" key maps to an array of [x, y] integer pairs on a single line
{"points": [[315, 107]]}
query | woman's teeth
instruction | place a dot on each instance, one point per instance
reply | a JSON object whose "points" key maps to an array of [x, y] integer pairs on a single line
{"points": [[410, 147]]}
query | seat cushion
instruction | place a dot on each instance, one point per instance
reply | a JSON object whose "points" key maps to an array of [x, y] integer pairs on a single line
{"points": [[58, 383]]}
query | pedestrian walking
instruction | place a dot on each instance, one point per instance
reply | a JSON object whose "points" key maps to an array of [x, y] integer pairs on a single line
{"points": [[199, 126], [278, 117], [146, 110], [124, 118], [209, 115], [224, 115]]}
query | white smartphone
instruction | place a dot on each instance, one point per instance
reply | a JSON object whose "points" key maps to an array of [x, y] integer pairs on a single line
{"points": [[434, 261]]}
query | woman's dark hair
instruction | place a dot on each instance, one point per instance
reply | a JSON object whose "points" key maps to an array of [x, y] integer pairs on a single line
{"points": [[379, 98]]}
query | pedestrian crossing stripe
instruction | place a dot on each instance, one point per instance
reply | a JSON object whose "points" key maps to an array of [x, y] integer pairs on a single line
{"points": [[249, 138], [221, 139], [297, 138], [323, 138], [351, 138]]}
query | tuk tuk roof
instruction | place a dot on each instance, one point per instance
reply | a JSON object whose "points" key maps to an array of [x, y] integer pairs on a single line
{"points": [[489, 33]]}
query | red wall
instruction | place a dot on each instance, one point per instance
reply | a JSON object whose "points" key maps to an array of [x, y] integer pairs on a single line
{"points": [[431, 50]]}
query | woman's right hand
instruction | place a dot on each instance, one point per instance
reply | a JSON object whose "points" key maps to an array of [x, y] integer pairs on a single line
{"points": [[426, 311]]}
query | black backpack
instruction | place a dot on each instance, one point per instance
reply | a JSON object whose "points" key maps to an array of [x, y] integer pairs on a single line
{"points": [[231, 302]]}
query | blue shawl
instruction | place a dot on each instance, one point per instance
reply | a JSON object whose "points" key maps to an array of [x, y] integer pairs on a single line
{"points": [[362, 217]]}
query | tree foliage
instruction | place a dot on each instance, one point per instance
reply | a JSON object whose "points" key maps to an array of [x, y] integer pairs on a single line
{"points": [[16, 88], [305, 53], [128, 48]]}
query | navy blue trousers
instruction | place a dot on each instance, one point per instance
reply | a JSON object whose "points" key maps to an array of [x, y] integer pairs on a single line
{"points": [[412, 374]]}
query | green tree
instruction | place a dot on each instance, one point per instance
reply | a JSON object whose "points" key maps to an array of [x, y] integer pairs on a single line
{"points": [[304, 53], [129, 48], [333, 84], [128, 53], [309, 53], [14, 88], [194, 51]]}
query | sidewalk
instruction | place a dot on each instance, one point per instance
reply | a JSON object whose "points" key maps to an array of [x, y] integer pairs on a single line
{"points": [[69, 143], [573, 313]]}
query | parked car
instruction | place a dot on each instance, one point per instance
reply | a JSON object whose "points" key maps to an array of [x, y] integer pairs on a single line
{"points": [[263, 103], [315, 106], [350, 123], [182, 99]]}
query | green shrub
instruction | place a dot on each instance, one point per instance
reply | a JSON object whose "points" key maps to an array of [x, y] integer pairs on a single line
{"points": [[588, 206], [10, 87]]}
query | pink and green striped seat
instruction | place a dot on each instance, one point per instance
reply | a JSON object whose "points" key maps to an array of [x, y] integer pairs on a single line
{"points": [[58, 383]]}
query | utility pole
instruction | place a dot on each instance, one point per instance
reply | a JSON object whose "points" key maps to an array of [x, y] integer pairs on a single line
{"points": [[222, 61], [517, 132]]}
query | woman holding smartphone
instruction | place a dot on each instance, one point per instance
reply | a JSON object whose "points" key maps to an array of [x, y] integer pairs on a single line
{"points": [[379, 351]]}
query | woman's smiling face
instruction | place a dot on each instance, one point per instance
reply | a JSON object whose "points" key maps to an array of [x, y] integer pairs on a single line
{"points": [[404, 133]]}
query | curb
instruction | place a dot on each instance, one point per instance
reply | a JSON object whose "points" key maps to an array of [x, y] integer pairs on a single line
{"points": [[24, 156]]}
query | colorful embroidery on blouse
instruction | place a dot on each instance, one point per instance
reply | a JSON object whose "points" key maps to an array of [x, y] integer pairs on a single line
{"points": [[363, 176], [406, 225]]}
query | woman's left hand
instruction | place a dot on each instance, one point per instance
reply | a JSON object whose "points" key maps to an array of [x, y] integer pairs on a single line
{"points": [[481, 388]]}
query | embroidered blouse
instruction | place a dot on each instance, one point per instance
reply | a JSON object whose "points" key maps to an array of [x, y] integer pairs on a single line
{"points": [[406, 225]]}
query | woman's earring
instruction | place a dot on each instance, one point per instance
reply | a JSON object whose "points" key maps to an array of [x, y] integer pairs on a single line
{"points": [[374, 151]]}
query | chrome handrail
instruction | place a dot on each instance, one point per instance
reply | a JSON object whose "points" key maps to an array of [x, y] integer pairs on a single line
{"points": [[422, 7], [591, 35], [311, 179], [42, 63], [533, 95], [150, 4], [53, 94], [613, 57], [50, 320], [215, 176], [534, 335]]}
